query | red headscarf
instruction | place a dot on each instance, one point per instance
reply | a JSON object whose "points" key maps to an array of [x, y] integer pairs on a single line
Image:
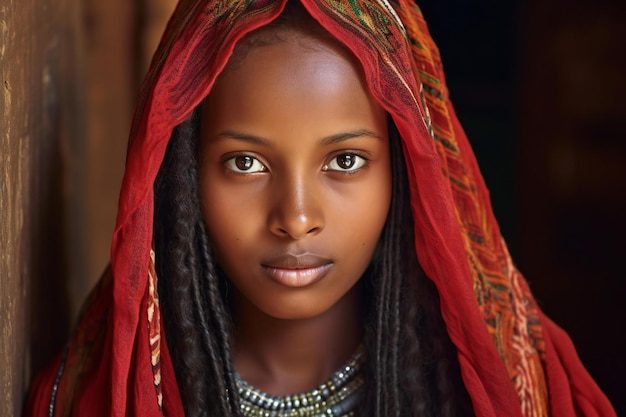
{"points": [[514, 361]]}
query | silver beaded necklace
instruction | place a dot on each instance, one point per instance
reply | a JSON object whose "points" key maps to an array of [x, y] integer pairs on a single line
{"points": [[337, 397]]}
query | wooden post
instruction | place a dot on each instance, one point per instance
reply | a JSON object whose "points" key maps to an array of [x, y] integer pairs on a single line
{"points": [[40, 119]]}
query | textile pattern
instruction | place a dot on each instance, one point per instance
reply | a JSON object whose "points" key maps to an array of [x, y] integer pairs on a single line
{"points": [[507, 305]]}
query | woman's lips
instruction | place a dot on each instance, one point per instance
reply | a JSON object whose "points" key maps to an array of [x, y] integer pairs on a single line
{"points": [[297, 271]]}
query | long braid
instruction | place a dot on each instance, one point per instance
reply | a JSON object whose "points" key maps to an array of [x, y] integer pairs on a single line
{"points": [[394, 264], [391, 271], [381, 343], [195, 337], [407, 276], [400, 270], [173, 235], [201, 288], [383, 287], [413, 369], [222, 320]]}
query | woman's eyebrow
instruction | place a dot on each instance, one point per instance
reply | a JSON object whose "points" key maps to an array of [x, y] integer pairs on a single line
{"points": [[245, 137], [359, 133], [328, 140]]}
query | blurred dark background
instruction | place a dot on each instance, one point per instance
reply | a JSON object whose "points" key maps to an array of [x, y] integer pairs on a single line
{"points": [[540, 89]]}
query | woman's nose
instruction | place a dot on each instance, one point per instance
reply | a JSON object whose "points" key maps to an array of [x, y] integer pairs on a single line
{"points": [[297, 210]]}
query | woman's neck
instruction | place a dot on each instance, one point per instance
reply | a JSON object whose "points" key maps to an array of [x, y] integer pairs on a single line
{"points": [[283, 357]]}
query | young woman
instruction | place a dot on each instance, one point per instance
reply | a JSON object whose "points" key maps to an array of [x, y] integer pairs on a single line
{"points": [[303, 230]]}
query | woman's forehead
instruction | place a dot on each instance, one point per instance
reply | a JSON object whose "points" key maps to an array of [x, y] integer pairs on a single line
{"points": [[290, 81]]}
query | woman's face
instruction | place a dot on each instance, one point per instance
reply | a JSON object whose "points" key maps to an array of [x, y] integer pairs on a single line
{"points": [[295, 178]]}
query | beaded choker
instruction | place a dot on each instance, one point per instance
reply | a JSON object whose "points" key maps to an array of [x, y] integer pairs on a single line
{"points": [[338, 397]]}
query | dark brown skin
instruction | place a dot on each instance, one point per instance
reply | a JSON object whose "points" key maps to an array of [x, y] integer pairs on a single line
{"points": [[292, 356], [295, 186]]}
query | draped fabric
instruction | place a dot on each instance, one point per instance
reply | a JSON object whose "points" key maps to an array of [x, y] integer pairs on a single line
{"points": [[514, 361]]}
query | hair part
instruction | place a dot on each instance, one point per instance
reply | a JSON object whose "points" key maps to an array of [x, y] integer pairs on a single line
{"points": [[294, 24]]}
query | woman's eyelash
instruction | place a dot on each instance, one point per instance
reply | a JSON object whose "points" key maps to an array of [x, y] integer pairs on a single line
{"points": [[347, 162], [244, 164]]}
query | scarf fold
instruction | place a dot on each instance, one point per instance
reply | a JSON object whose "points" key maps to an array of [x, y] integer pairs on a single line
{"points": [[514, 361]]}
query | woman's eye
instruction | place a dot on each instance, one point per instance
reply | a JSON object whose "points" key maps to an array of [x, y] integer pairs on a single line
{"points": [[346, 162], [245, 164]]}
